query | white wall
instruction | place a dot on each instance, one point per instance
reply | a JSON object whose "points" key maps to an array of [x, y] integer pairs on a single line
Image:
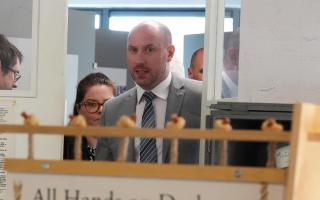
{"points": [[71, 72], [279, 51]]}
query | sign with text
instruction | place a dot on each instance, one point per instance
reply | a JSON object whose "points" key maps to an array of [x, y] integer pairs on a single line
{"points": [[8, 114], [22, 186], [8, 111]]}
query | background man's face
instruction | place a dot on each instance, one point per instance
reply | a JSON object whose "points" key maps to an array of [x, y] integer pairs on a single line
{"points": [[7, 80], [196, 71]]}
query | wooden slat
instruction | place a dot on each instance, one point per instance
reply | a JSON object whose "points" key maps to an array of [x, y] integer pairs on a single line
{"points": [[186, 172], [304, 175], [314, 136], [236, 135]]}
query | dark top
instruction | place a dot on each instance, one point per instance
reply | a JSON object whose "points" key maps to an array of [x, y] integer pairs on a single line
{"points": [[88, 153]]}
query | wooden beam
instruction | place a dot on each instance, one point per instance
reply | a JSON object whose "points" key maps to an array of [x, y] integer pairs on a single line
{"points": [[182, 172], [236, 135]]}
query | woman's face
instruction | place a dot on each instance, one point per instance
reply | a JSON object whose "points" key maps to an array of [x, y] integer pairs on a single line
{"points": [[92, 104]]}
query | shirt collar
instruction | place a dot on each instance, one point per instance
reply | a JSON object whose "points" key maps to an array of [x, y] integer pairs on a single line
{"points": [[161, 90]]}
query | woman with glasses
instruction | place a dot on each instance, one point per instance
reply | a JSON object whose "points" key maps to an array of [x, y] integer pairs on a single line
{"points": [[10, 63], [92, 92]]}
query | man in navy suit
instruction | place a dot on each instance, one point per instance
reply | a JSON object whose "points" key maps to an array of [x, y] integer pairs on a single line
{"points": [[149, 51]]}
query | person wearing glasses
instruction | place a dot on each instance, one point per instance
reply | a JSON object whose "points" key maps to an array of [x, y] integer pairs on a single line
{"points": [[92, 92], [10, 64]]}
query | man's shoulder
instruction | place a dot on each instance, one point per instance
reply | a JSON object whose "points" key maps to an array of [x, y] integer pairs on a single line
{"points": [[124, 104], [182, 80], [194, 83], [124, 96], [190, 84]]}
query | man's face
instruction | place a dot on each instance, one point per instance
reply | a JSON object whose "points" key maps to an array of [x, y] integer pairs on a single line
{"points": [[148, 56], [196, 71], [7, 80]]}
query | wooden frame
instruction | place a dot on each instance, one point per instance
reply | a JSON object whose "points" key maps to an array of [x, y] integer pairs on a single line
{"points": [[303, 176], [301, 181], [243, 174]]}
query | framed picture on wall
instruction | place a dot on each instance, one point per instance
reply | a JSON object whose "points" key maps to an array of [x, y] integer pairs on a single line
{"points": [[19, 23]]}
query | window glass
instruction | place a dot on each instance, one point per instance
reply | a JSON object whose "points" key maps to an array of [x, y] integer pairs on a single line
{"points": [[97, 21], [231, 51], [175, 20]]}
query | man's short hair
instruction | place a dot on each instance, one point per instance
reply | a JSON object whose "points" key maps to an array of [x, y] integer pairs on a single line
{"points": [[8, 54]]}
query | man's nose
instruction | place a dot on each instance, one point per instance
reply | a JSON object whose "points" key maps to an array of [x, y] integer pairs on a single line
{"points": [[100, 109], [14, 85], [140, 56], [140, 59]]}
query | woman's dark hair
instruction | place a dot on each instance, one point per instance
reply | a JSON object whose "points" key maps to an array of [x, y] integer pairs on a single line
{"points": [[90, 80]]}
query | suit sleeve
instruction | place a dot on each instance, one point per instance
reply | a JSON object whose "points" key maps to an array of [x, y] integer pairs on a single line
{"points": [[103, 151]]}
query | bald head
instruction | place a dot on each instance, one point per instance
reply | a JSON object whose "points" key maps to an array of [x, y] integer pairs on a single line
{"points": [[155, 27], [149, 51], [195, 71]]}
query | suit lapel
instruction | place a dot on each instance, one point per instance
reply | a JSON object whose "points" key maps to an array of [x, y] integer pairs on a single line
{"points": [[129, 108], [175, 97], [130, 104], [174, 103]]}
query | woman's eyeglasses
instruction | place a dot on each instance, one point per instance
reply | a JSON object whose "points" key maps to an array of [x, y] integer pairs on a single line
{"points": [[17, 74], [91, 106]]}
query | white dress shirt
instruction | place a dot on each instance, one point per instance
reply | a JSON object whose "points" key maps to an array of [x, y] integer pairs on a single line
{"points": [[160, 105]]}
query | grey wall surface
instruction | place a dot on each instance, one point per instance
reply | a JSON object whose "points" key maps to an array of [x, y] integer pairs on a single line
{"points": [[17, 23], [81, 39], [111, 50]]}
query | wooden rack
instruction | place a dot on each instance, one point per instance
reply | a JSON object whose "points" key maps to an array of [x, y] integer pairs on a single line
{"points": [[304, 139], [249, 174]]}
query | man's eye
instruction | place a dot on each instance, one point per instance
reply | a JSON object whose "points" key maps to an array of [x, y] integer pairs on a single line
{"points": [[132, 50], [149, 49]]}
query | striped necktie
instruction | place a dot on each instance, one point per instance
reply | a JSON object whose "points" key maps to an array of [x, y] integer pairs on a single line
{"points": [[148, 147]]}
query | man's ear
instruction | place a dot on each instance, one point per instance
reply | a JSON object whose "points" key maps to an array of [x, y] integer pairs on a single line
{"points": [[1, 72], [189, 72], [170, 50]]}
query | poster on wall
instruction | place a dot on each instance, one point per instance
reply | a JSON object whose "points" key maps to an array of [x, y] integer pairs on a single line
{"points": [[19, 24], [8, 111]]}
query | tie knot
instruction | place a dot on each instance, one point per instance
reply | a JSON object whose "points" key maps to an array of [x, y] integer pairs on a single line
{"points": [[148, 96]]}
